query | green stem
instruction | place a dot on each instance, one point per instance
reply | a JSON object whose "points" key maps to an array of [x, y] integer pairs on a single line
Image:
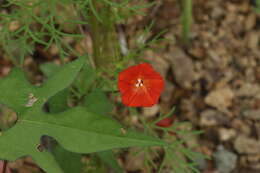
{"points": [[4, 166], [186, 21], [105, 42]]}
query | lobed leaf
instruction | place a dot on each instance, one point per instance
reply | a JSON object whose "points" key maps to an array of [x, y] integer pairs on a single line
{"points": [[61, 80], [17, 92], [76, 130]]}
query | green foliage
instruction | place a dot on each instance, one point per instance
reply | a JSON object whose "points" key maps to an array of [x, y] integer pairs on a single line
{"points": [[109, 159], [68, 161], [97, 102], [177, 156], [47, 23], [20, 32], [257, 8], [15, 91], [76, 129], [47, 110], [85, 80], [186, 20], [49, 69]]}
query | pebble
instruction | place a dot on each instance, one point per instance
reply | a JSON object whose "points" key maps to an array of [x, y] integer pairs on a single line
{"points": [[253, 161], [250, 21], [220, 98], [246, 145], [226, 134], [134, 162], [211, 117], [241, 126], [167, 92], [252, 114], [183, 69], [158, 61], [248, 90], [151, 111], [252, 40], [225, 160]]}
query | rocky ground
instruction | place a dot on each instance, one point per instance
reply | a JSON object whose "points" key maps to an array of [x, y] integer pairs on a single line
{"points": [[215, 83]]}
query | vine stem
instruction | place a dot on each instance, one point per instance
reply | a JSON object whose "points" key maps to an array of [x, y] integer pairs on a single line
{"points": [[4, 166], [186, 20], [104, 37]]}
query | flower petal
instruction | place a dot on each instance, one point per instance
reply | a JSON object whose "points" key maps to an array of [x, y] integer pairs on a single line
{"points": [[129, 74], [138, 98], [146, 95]]}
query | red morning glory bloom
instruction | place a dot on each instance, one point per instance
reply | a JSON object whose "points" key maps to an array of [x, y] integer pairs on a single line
{"points": [[140, 85]]}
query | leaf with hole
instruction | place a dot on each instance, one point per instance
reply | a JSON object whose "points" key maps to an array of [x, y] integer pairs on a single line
{"points": [[75, 129]]}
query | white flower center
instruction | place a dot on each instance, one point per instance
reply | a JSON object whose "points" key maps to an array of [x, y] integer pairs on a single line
{"points": [[139, 82]]}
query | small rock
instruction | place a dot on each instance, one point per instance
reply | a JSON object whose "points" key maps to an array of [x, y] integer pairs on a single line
{"points": [[252, 39], [250, 21], [197, 50], [257, 125], [217, 12], [189, 108], [167, 93], [252, 114], [201, 162], [248, 90], [14, 25], [212, 118], [241, 127], [254, 161], [54, 50], [220, 98], [158, 61], [226, 134], [134, 162], [151, 111], [4, 71], [183, 68], [214, 56], [225, 160], [245, 169], [246, 145]]}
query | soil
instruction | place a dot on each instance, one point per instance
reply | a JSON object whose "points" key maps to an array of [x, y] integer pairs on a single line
{"points": [[215, 81]]}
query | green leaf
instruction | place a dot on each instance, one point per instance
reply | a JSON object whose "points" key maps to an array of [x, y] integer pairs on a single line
{"points": [[17, 93], [58, 102], [15, 90], [49, 69], [61, 80], [98, 102], [76, 130], [85, 79], [257, 10], [69, 162], [109, 158]]}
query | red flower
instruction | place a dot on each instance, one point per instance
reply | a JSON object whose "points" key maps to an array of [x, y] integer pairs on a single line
{"points": [[166, 122], [140, 85]]}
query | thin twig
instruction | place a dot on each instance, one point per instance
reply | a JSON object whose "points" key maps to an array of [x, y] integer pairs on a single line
{"points": [[82, 31], [4, 166], [186, 21]]}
